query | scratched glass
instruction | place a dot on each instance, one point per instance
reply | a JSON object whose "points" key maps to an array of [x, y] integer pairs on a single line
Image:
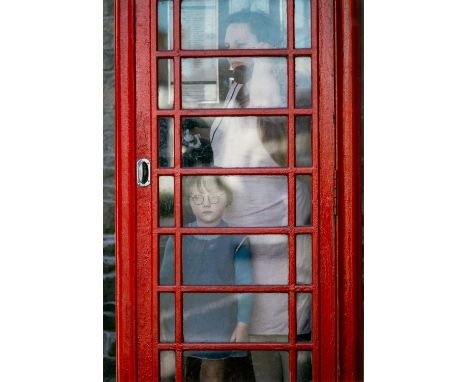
{"points": [[304, 366], [238, 368], [167, 366], [303, 200], [165, 21], [166, 317], [302, 23], [165, 83], [303, 141], [166, 142], [248, 201], [166, 260], [303, 259], [166, 201], [304, 317], [303, 82], [220, 317], [234, 82], [235, 141], [240, 24]]}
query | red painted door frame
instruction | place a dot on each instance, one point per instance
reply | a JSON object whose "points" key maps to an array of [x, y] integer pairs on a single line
{"points": [[338, 97]]}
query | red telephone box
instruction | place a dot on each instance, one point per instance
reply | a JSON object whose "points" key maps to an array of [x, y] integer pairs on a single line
{"points": [[168, 85]]}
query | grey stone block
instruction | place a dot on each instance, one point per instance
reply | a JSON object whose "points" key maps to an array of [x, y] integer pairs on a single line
{"points": [[108, 8], [109, 160], [108, 59], [109, 369], [109, 321], [108, 144], [108, 120], [109, 265], [108, 33], [109, 192], [108, 176], [108, 217], [109, 344], [108, 90], [109, 288], [109, 307]]}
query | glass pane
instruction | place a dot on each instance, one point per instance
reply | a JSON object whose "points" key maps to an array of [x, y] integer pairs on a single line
{"points": [[303, 141], [239, 366], [165, 83], [304, 259], [233, 260], [303, 82], [196, 146], [166, 260], [220, 317], [234, 82], [240, 24], [166, 142], [166, 317], [303, 200], [237, 201], [165, 24], [304, 317], [302, 23], [166, 201], [167, 366], [235, 141], [304, 366]]}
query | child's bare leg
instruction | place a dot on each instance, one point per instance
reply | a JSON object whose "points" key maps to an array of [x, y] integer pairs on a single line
{"points": [[212, 370]]}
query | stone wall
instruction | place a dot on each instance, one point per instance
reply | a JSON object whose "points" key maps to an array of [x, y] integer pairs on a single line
{"points": [[109, 200]]}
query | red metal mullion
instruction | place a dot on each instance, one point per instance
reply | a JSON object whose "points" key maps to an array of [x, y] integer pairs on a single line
{"points": [[315, 192], [240, 171], [213, 53], [177, 192], [233, 112], [238, 288], [236, 346], [291, 192]]}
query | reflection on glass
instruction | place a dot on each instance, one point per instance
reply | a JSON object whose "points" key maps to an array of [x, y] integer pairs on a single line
{"points": [[240, 24], [303, 200], [234, 141], [165, 24], [166, 142], [303, 259], [304, 366], [252, 82], [239, 367], [166, 260], [165, 83], [244, 200], [303, 82], [196, 146], [303, 141], [227, 260], [303, 317], [166, 201], [167, 365], [166, 317], [216, 317], [302, 23]]}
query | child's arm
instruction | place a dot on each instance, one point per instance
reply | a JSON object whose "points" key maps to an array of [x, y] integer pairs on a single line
{"points": [[243, 276]]}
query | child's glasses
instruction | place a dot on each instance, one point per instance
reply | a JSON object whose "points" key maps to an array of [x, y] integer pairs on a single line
{"points": [[198, 199]]}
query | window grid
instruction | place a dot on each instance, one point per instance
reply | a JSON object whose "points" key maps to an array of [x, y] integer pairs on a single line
{"points": [[291, 171]]}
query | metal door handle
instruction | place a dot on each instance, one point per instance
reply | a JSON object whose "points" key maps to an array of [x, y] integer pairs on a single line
{"points": [[143, 172]]}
